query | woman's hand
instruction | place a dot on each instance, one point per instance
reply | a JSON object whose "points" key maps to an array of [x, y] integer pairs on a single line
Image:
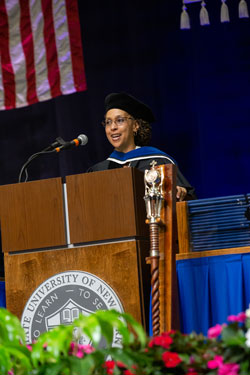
{"points": [[181, 193]]}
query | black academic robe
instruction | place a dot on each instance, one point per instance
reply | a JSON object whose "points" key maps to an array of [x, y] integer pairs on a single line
{"points": [[142, 165]]}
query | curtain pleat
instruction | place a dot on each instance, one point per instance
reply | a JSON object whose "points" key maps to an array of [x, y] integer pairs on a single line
{"points": [[211, 289], [2, 294]]}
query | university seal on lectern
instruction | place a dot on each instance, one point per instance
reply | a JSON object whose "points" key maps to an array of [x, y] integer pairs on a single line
{"points": [[62, 298]]}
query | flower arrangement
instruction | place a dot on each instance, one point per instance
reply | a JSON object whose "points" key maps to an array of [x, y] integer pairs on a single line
{"points": [[225, 351]]}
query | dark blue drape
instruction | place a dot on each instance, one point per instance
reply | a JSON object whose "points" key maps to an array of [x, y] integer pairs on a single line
{"points": [[196, 81], [212, 288], [2, 294]]}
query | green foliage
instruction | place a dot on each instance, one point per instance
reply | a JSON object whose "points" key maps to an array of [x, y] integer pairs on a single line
{"points": [[227, 350], [52, 346], [13, 355], [51, 355]]}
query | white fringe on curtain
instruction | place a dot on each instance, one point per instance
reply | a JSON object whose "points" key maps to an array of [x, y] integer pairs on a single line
{"points": [[243, 10], [185, 21], [204, 18], [224, 13]]}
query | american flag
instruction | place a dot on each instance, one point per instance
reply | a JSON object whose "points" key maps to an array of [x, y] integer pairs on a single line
{"points": [[40, 51]]}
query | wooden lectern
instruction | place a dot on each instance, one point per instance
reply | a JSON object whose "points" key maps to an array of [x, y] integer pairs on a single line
{"points": [[94, 223]]}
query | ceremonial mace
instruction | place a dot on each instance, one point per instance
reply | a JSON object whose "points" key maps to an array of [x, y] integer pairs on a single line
{"points": [[153, 180]]}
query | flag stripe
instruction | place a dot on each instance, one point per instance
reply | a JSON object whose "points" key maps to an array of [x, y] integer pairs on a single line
{"points": [[40, 51], [1, 83], [51, 52], [63, 46], [16, 52], [28, 49], [41, 71], [75, 45], [8, 78]]}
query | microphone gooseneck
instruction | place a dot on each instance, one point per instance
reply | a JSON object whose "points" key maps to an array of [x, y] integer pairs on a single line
{"points": [[56, 146]]}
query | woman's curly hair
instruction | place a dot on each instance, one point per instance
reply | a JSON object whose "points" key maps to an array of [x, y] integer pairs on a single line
{"points": [[143, 135]]}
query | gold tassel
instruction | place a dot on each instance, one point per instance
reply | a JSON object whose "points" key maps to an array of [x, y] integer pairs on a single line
{"points": [[243, 11], [224, 13], [204, 18], [185, 21]]}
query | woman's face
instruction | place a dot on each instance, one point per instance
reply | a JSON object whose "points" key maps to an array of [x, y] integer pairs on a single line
{"points": [[120, 128]]}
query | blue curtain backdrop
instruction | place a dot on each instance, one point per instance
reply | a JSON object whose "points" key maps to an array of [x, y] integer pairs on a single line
{"points": [[2, 294], [212, 288]]}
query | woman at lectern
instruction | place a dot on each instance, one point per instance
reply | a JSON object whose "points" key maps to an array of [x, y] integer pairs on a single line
{"points": [[127, 126]]}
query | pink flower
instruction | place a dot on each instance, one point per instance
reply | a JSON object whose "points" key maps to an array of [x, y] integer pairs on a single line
{"points": [[223, 368], [215, 331], [80, 350], [206, 356], [241, 317], [216, 362], [229, 369], [86, 348], [191, 359], [29, 347], [79, 354]]}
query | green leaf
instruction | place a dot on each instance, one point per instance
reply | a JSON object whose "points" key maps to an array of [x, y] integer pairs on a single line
{"points": [[5, 362], [107, 330], [184, 357], [84, 366], [247, 323], [52, 345], [126, 357], [56, 369], [244, 368], [231, 336], [137, 328], [102, 323], [10, 328], [93, 329], [19, 357]]}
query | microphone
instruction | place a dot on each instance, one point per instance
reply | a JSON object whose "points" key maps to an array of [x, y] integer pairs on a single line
{"points": [[81, 140], [56, 146]]}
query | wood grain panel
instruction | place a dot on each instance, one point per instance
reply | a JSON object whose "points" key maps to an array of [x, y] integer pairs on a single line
{"points": [[119, 264], [31, 215], [139, 203], [210, 253], [183, 228], [169, 311], [102, 205]]}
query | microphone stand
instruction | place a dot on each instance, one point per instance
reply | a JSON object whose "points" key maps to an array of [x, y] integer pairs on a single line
{"points": [[48, 150]]}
